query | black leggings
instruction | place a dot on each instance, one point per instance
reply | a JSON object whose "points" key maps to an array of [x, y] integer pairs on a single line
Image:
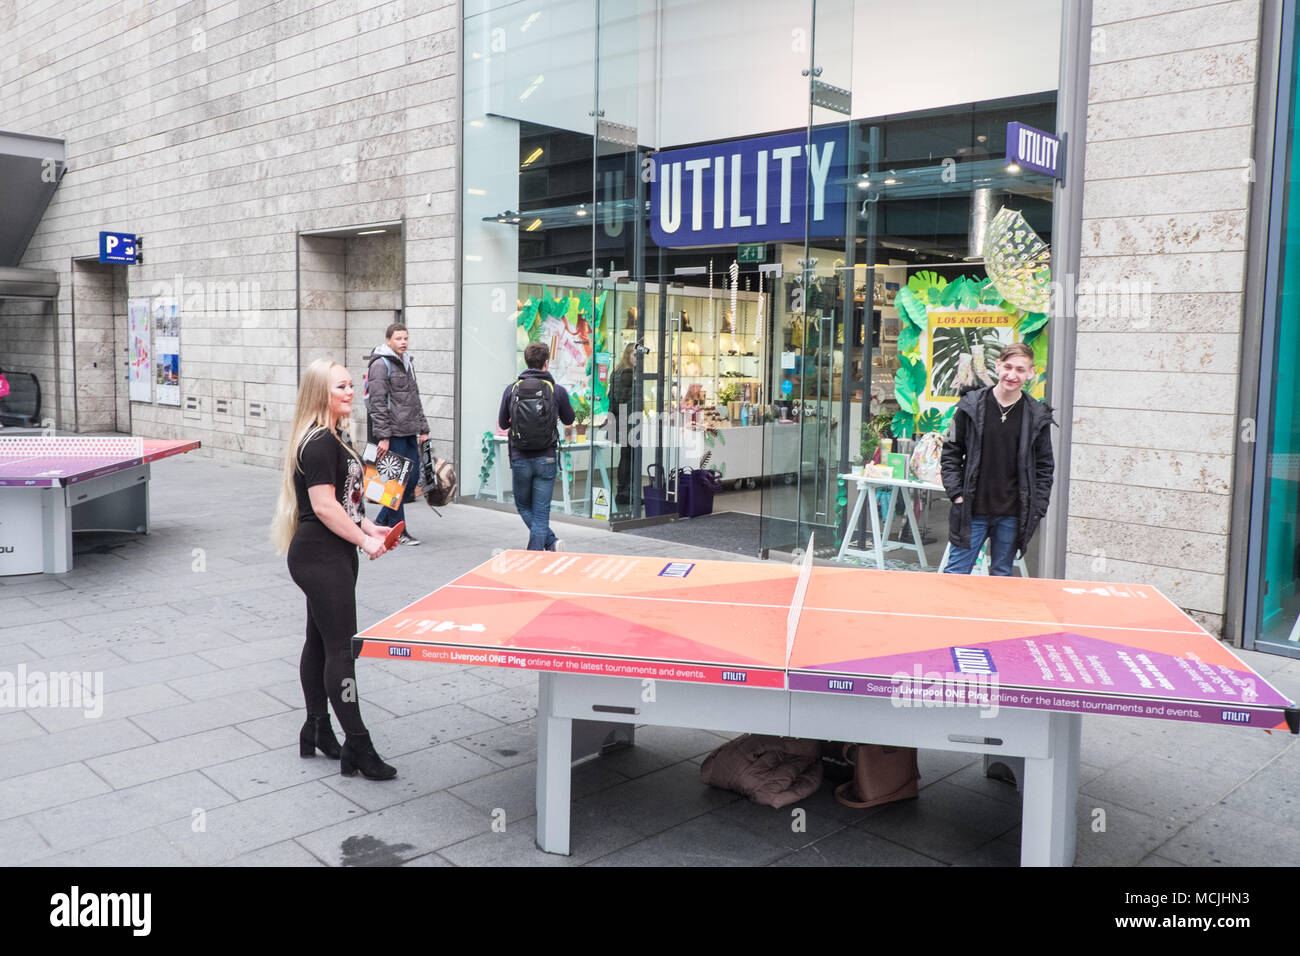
{"points": [[325, 567]]}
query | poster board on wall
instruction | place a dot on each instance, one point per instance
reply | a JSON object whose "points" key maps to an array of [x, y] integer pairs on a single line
{"points": [[167, 350], [139, 351]]}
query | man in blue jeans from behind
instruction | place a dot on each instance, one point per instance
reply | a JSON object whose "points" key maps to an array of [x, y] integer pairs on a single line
{"points": [[530, 407], [997, 467]]}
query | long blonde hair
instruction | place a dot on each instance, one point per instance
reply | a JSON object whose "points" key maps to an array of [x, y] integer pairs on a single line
{"points": [[310, 415]]}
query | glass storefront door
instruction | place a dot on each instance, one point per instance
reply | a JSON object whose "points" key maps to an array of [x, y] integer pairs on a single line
{"points": [[802, 447]]}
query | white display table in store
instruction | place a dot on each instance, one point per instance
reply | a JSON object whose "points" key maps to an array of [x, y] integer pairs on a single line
{"points": [[564, 474], [882, 540]]}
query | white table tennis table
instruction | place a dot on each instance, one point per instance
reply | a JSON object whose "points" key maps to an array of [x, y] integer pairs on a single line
{"points": [[53, 486], [1003, 667]]}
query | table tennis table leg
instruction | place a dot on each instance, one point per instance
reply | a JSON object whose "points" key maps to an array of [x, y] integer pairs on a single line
{"points": [[877, 542], [554, 771], [850, 529], [909, 506], [1050, 793], [502, 452], [56, 531]]}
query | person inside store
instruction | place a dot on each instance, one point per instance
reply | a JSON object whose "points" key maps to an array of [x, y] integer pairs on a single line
{"points": [[397, 419], [320, 523], [530, 407], [997, 467], [620, 420]]}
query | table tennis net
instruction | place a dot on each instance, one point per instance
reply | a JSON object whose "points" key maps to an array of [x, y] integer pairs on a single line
{"points": [[80, 446]]}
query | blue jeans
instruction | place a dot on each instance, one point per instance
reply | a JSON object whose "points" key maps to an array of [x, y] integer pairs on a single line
{"points": [[1001, 532], [408, 446], [534, 483]]}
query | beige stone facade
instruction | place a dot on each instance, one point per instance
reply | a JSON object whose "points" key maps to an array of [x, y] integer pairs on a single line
{"points": [[1171, 113], [219, 132]]}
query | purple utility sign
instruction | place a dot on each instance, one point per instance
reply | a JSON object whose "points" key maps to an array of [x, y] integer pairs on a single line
{"points": [[1034, 149]]}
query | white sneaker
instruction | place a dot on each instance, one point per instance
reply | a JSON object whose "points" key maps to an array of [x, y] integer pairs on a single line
{"points": [[559, 545]]}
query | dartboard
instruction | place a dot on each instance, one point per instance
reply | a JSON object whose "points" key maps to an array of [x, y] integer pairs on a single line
{"points": [[390, 467]]}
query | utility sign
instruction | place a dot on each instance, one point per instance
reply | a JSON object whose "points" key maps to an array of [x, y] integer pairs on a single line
{"points": [[750, 191], [119, 247], [1034, 149]]}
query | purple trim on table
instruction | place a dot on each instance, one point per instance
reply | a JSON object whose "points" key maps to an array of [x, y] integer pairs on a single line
{"points": [[1270, 718]]}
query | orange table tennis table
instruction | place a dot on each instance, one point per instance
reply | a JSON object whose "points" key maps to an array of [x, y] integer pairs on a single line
{"points": [[1004, 667]]}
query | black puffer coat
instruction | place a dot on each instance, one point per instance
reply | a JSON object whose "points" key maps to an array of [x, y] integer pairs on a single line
{"points": [[394, 397], [960, 462]]}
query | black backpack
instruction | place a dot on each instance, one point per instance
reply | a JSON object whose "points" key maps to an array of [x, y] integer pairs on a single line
{"points": [[532, 414]]}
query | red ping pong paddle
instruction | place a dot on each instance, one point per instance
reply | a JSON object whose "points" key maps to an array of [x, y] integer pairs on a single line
{"points": [[391, 539]]}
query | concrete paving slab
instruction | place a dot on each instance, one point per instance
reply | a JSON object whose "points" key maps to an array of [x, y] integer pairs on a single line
{"points": [[592, 835], [142, 848], [262, 773], [117, 705], [236, 654], [508, 706], [428, 859], [706, 841], [792, 827], [260, 822], [418, 774], [154, 761], [95, 738], [394, 835], [1272, 793], [1226, 837], [660, 800], [197, 716], [20, 724], [218, 683], [288, 853], [506, 745], [20, 843], [852, 847], [428, 728], [34, 791], [1170, 790], [188, 797], [434, 691], [155, 672]]}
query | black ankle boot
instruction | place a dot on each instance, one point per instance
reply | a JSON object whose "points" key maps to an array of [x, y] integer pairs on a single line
{"points": [[317, 734], [359, 754]]}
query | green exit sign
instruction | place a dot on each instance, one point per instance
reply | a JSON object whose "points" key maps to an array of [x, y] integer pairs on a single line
{"points": [[752, 252]]}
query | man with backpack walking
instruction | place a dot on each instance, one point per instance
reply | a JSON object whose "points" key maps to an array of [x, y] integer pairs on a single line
{"points": [[397, 421], [530, 406]]}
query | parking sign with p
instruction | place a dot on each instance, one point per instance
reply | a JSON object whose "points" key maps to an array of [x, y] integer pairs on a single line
{"points": [[120, 247]]}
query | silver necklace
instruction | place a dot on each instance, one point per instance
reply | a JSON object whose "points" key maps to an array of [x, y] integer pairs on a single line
{"points": [[1006, 409]]}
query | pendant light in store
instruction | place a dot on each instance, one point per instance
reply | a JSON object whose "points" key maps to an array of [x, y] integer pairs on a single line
{"points": [[983, 206]]}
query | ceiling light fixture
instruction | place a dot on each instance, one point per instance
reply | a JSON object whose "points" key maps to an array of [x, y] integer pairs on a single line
{"points": [[533, 157]]}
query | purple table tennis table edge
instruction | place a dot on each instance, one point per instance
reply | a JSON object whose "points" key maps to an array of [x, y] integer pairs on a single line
{"points": [[43, 499]]}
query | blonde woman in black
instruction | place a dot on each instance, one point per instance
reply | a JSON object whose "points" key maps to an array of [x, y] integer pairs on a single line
{"points": [[320, 521]]}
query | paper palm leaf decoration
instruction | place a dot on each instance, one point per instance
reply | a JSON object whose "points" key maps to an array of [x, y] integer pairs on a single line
{"points": [[1018, 262]]}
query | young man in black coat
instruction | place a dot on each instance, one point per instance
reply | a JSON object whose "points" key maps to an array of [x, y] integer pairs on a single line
{"points": [[997, 467]]}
